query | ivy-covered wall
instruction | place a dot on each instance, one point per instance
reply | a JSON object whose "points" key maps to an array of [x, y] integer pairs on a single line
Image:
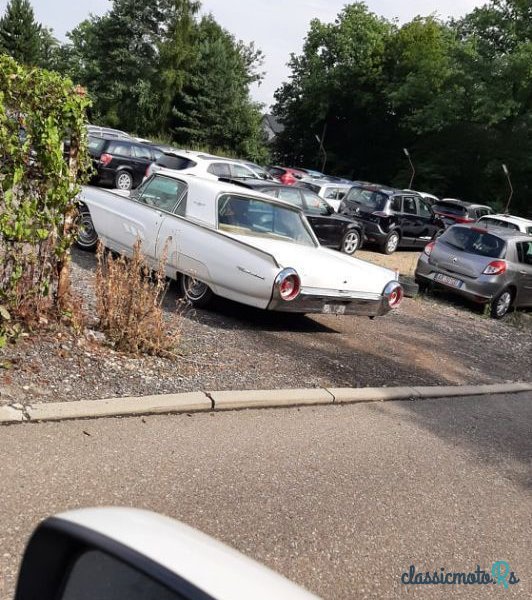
{"points": [[40, 113]]}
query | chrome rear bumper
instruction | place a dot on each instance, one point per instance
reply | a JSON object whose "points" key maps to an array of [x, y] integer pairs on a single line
{"points": [[339, 305]]}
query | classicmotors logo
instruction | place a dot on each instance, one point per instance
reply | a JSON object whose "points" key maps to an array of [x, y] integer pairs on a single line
{"points": [[499, 574]]}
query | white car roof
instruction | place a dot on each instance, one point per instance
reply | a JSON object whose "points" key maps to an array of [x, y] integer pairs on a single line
{"points": [[213, 567], [203, 192], [509, 219]]}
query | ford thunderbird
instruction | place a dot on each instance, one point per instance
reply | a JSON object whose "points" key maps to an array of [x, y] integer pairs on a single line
{"points": [[220, 239]]}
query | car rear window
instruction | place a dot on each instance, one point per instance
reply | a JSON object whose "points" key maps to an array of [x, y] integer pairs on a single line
{"points": [[475, 241], [177, 163], [310, 186], [95, 144], [450, 208], [367, 197]]}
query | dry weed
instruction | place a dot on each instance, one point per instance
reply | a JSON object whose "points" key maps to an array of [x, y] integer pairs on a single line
{"points": [[129, 296]]}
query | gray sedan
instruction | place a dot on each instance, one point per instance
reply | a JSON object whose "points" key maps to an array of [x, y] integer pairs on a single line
{"points": [[489, 267]]}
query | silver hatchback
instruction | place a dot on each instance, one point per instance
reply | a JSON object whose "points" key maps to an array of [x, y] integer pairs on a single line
{"points": [[489, 267]]}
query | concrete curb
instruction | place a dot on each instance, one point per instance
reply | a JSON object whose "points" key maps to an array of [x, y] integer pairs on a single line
{"points": [[239, 399]]}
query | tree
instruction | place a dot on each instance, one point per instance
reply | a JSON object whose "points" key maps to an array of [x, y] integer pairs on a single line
{"points": [[214, 109], [457, 94], [20, 34], [337, 88]]}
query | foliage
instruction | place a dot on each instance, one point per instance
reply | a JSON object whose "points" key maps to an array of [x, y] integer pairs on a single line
{"points": [[214, 109], [129, 298], [38, 110], [156, 70], [456, 93], [20, 34]]}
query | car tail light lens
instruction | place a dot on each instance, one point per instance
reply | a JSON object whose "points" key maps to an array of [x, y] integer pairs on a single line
{"points": [[394, 294], [428, 248], [496, 267], [148, 168], [288, 285], [105, 159]]}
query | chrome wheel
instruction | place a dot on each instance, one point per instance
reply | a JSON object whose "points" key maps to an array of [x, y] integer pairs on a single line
{"points": [[124, 181], [502, 304], [87, 234], [199, 294], [351, 242], [391, 243]]}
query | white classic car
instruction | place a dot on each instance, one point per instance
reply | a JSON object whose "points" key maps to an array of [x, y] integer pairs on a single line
{"points": [[222, 239]]}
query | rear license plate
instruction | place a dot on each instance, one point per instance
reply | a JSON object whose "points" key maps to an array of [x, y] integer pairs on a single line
{"points": [[334, 309], [446, 280]]}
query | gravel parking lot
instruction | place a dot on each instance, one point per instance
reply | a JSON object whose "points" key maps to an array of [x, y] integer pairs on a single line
{"points": [[427, 341]]}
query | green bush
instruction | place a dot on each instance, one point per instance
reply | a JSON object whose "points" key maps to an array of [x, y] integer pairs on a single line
{"points": [[39, 112]]}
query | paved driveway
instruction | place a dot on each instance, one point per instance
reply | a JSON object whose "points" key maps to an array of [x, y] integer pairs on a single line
{"points": [[342, 499]]}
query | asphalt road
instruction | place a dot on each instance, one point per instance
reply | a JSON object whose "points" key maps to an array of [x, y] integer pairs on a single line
{"points": [[341, 499]]}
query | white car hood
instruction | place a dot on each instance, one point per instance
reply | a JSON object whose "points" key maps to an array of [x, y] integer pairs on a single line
{"points": [[323, 269]]}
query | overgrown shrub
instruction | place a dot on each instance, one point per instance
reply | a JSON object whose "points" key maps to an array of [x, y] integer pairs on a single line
{"points": [[39, 110], [128, 303]]}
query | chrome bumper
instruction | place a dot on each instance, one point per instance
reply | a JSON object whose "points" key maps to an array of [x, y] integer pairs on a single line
{"points": [[335, 305]]}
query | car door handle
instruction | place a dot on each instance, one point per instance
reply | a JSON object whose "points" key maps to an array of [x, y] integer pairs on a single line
{"points": [[522, 272]]}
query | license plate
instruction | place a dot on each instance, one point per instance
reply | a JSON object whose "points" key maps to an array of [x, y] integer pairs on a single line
{"points": [[446, 280], [334, 309]]}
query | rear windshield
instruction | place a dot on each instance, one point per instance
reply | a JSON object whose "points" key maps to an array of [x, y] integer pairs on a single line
{"points": [[95, 144], [367, 197], [310, 186], [254, 217], [450, 208], [177, 163], [475, 241]]}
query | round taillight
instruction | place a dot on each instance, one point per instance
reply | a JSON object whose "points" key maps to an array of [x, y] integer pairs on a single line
{"points": [[288, 284], [395, 297], [393, 293], [428, 248]]}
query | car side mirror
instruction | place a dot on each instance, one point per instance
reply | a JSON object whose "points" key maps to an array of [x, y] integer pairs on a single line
{"points": [[123, 553]]}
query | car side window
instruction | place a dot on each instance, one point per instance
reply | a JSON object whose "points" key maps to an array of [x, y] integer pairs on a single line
{"points": [[409, 205], [424, 209], [331, 194], [524, 252], [220, 170], [162, 193], [395, 204], [141, 152], [315, 204], [291, 195], [241, 171], [120, 148]]}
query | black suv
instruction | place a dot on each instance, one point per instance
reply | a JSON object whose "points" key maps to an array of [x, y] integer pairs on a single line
{"points": [[331, 229], [392, 218], [120, 163]]}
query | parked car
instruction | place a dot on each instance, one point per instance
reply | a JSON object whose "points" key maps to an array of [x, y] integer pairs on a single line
{"points": [[221, 239], [430, 198], [129, 554], [120, 162], [259, 171], [202, 164], [485, 265], [332, 192], [392, 218], [332, 230], [452, 211], [108, 132], [287, 176], [507, 222]]}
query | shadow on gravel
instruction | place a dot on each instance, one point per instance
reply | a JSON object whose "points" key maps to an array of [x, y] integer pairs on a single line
{"points": [[497, 429], [225, 314]]}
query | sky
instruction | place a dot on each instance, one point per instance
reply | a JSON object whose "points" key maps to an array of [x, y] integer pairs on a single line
{"points": [[278, 27]]}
